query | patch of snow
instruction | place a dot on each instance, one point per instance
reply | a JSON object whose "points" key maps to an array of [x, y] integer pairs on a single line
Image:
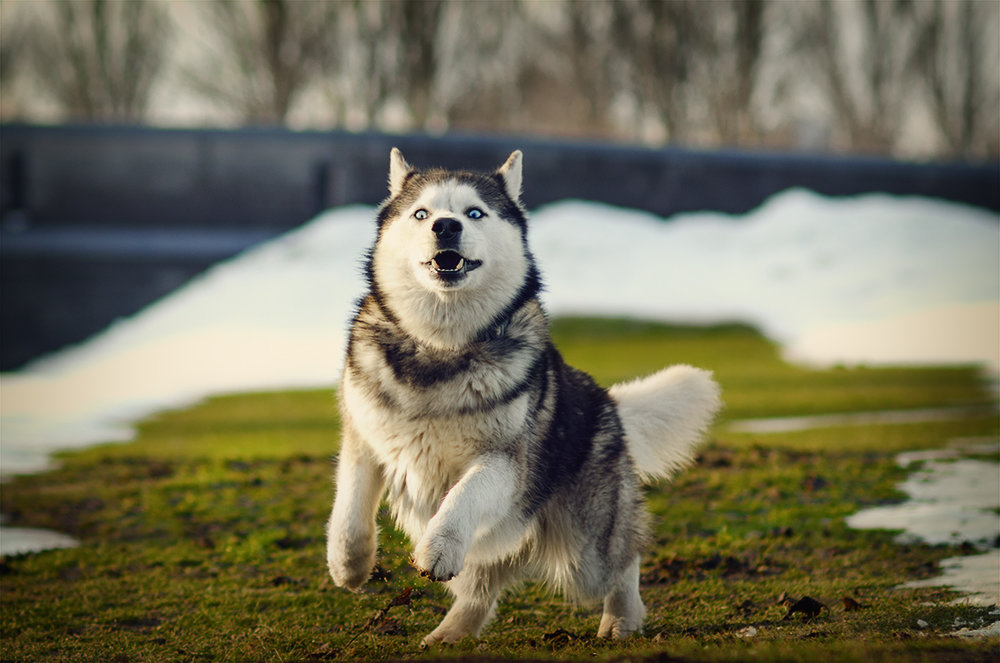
{"points": [[17, 540], [798, 267], [948, 334], [273, 317]]}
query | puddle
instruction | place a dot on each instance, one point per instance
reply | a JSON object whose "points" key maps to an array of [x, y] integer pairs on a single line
{"points": [[953, 499], [19, 540], [978, 576], [794, 424]]}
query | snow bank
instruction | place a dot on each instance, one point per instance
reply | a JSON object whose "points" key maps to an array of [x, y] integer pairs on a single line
{"points": [[869, 279], [272, 317], [829, 278]]}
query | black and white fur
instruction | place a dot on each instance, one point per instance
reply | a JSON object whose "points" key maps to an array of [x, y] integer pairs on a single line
{"points": [[499, 461]]}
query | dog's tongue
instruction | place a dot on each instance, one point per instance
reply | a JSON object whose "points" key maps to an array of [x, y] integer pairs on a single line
{"points": [[448, 261]]}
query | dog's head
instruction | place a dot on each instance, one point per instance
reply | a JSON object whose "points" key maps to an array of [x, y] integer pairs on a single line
{"points": [[451, 256]]}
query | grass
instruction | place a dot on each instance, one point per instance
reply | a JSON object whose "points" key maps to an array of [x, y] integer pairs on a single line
{"points": [[203, 538]]}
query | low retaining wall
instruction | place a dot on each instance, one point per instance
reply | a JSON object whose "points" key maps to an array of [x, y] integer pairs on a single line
{"points": [[97, 222]]}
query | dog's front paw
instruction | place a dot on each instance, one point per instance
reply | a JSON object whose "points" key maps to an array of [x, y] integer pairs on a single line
{"points": [[350, 566], [347, 577], [439, 557]]}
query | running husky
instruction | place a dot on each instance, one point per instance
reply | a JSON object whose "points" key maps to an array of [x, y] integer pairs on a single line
{"points": [[499, 461]]}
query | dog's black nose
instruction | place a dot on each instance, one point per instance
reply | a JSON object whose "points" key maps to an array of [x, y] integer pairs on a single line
{"points": [[447, 229]]}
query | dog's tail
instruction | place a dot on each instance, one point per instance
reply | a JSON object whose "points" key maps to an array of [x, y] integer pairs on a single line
{"points": [[665, 416]]}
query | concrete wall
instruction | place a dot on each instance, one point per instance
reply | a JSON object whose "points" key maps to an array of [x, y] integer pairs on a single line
{"points": [[96, 222], [277, 179]]}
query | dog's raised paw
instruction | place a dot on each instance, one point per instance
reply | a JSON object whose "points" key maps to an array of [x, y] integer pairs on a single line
{"points": [[438, 558], [427, 573]]}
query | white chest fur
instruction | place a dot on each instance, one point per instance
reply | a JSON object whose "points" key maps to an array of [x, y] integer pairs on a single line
{"points": [[423, 457]]}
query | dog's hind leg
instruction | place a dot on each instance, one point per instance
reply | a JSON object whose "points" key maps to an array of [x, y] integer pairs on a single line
{"points": [[623, 609], [466, 617], [476, 591]]}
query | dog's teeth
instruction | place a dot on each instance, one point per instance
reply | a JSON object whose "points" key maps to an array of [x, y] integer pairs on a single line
{"points": [[460, 265]]}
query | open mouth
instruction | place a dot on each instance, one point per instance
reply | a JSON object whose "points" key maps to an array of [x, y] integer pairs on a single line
{"points": [[451, 265]]}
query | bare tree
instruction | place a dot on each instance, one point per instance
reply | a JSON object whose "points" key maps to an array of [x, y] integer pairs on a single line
{"points": [[660, 42], [364, 61], [485, 53], [862, 54], [594, 64], [960, 74], [730, 78], [99, 58], [385, 54], [416, 27], [263, 53], [16, 30], [529, 67], [692, 65]]}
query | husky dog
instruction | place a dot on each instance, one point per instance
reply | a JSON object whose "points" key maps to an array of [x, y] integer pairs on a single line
{"points": [[499, 460]]}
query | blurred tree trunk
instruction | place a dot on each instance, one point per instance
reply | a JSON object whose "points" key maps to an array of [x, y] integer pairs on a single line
{"points": [[368, 71], [17, 32], [660, 42], [391, 54], [733, 87], [266, 51], [960, 76], [284, 69], [591, 56], [869, 83], [486, 57], [416, 26], [99, 58]]}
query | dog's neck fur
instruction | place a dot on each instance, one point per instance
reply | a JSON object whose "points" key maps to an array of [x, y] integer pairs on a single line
{"points": [[454, 320]]}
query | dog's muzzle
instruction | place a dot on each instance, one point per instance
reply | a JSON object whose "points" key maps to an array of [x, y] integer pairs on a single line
{"points": [[450, 265]]}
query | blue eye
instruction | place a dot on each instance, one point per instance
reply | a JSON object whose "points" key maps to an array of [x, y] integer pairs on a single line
{"points": [[420, 214], [474, 213]]}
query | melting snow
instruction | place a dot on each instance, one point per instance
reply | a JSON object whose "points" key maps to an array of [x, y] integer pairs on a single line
{"points": [[871, 279]]}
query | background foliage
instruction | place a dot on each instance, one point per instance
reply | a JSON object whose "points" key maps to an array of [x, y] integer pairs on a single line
{"points": [[878, 76]]}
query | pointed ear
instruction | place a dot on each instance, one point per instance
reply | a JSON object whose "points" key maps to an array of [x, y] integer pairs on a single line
{"points": [[510, 171], [398, 170]]}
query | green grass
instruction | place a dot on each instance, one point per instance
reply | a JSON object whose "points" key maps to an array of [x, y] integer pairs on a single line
{"points": [[203, 538]]}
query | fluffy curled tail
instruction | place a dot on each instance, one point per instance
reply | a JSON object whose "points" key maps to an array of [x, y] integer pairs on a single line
{"points": [[665, 416]]}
